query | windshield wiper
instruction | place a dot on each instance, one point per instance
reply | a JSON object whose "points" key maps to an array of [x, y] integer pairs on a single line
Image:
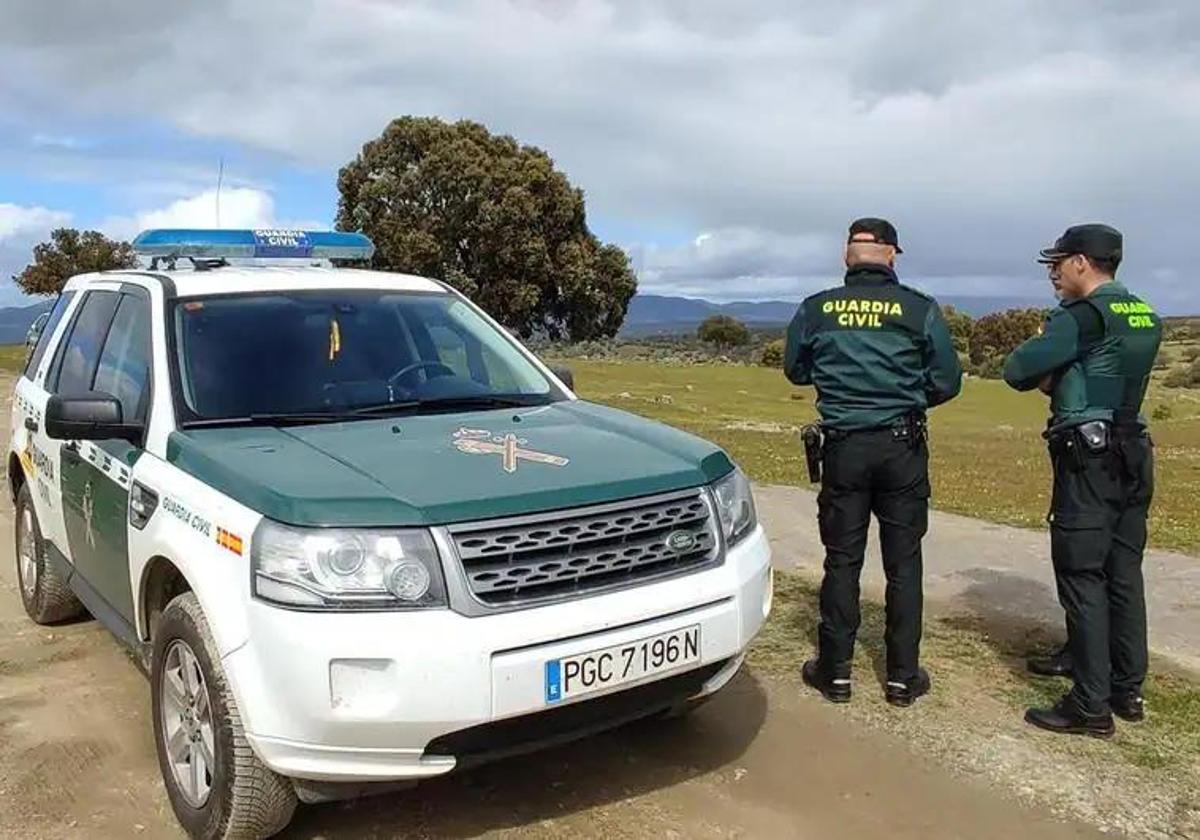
{"points": [[294, 418], [297, 418], [443, 403]]}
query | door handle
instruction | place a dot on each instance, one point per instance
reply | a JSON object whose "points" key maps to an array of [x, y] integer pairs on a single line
{"points": [[31, 425]]}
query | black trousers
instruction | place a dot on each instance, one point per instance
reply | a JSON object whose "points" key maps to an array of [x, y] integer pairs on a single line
{"points": [[1097, 537], [864, 473]]}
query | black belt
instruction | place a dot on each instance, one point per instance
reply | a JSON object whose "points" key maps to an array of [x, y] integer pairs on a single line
{"points": [[911, 427], [1094, 438]]}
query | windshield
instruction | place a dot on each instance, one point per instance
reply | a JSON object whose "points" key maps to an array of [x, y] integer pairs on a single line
{"points": [[276, 353]]}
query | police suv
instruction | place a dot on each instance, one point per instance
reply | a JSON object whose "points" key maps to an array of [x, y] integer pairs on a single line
{"points": [[357, 534]]}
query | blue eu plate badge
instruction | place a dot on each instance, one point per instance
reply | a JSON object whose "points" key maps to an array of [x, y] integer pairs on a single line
{"points": [[553, 681]]}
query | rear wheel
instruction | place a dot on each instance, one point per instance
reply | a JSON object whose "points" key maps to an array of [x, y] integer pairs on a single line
{"points": [[217, 785], [44, 590]]}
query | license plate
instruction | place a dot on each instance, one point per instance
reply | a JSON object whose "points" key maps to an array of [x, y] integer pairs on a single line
{"points": [[599, 670]]}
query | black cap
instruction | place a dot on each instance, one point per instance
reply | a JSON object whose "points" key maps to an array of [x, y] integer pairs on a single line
{"points": [[881, 230], [1099, 242]]}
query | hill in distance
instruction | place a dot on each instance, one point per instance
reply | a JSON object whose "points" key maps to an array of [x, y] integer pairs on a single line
{"points": [[660, 313]]}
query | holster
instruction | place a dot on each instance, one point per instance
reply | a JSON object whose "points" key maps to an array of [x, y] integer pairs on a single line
{"points": [[913, 430], [1076, 444], [813, 450]]}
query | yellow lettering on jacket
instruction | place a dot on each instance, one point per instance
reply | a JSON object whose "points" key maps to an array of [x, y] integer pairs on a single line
{"points": [[862, 313]]}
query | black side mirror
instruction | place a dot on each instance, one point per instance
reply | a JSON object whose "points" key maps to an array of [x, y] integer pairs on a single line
{"points": [[564, 375], [90, 416]]}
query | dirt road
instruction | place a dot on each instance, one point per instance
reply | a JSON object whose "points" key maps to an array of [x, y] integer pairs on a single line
{"points": [[76, 760], [762, 760], [994, 571]]}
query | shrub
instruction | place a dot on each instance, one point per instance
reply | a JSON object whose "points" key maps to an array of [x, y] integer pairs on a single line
{"points": [[1191, 354], [1178, 378], [991, 367], [1162, 411], [772, 354], [725, 331]]}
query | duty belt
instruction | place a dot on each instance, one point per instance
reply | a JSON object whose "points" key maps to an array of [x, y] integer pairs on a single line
{"points": [[912, 428], [1094, 438]]}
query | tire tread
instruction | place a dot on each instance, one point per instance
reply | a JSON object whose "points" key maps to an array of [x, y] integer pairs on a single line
{"points": [[53, 601], [262, 802]]}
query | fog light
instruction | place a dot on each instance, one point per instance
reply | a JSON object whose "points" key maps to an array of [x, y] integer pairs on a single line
{"points": [[408, 581]]}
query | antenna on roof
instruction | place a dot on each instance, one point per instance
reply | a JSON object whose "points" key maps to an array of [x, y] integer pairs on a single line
{"points": [[220, 176]]}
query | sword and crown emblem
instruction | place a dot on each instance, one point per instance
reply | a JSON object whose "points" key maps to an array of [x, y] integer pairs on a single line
{"points": [[510, 447]]}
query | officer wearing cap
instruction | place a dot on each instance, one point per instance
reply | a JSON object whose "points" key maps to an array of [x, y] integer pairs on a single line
{"points": [[1094, 357], [879, 354]]}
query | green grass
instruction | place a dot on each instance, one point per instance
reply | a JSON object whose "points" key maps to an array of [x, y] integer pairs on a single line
{"points": [[12, 358], [987, 455], [971, 657]]}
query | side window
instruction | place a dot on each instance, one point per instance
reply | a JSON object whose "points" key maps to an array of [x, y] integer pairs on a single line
{"points": [[47, 331], [76, 359], [124, 369]]}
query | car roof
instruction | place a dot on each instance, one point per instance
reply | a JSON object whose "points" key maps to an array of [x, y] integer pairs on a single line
{"points": [[231, 279]]}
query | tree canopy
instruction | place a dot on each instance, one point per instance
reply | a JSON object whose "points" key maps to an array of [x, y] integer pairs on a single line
{"points": [[994, 336], [491, 217], [723, 331], [70, 252]]}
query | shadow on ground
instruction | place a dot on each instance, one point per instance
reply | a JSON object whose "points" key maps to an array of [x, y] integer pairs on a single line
{"points": [[637, 759]]}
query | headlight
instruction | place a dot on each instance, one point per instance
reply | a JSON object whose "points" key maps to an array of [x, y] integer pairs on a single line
{"points": [[735, 506], [346, 569]]}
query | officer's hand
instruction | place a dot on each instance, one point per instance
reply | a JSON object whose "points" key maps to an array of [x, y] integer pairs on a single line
{"points": [[1046, 386]]}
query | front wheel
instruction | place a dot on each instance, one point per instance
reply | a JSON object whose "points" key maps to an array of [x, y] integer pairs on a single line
{"points": [[218, 787], [44, 591]]}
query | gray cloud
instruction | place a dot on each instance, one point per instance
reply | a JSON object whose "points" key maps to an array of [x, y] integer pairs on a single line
{"points": [[981, 130]]}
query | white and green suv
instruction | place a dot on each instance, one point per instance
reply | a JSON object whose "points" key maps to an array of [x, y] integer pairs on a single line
{"points": [[357, 533]]}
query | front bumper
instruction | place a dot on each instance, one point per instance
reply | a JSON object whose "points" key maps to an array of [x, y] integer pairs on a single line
{"points": [[344, 697]]}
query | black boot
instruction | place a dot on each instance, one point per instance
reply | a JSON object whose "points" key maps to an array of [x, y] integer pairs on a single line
{"points": [[1056, 664], [1066, 718], [904, 692], [1128, 706], [832, 681]]}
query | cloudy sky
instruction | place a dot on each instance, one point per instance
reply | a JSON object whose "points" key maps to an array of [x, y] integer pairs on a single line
{"points": [[725, 145]]}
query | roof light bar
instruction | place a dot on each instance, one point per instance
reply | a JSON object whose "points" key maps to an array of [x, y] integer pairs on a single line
{"points": [[263, 243]]}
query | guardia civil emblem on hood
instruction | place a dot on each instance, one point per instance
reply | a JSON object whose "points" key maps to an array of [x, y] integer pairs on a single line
{"points": [[508, 446]]}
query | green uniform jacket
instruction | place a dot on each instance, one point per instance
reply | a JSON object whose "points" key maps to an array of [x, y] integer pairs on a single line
{"points": [[1098, 351], [876, 351]]}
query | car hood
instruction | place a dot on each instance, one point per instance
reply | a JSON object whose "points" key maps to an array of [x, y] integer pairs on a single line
{"points": [[445, 468]]}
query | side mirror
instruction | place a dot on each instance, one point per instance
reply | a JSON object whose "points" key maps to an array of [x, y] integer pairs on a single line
{"points": [[564, 375], [90, 416]]}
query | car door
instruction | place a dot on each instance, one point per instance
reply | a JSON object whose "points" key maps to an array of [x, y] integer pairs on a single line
{"points": [[108, 351], [39, 454]]}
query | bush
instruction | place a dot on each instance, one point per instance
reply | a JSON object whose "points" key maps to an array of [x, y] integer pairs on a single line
{"points": [[1179, 378], [999, 334], [1184, 376], [723, 331], [1191, 354], [1163, 360], [991, 367], [1162, 411], [772, 354]]}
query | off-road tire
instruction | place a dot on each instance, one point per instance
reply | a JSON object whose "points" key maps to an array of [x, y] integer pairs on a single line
{"points": [[248, 800], [52, 600]]}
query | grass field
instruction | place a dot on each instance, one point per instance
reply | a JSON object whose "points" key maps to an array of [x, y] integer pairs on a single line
{"points": [[988, 458]]}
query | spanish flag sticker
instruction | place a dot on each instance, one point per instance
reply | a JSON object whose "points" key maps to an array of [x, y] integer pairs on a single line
{"points": [[230, 541]]}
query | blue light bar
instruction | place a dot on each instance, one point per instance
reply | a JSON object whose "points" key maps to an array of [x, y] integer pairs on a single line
{"points": [[266, 243]]}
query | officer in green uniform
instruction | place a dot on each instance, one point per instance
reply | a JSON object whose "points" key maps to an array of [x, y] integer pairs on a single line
{"points": [[1094, 357], [879, 354]]}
